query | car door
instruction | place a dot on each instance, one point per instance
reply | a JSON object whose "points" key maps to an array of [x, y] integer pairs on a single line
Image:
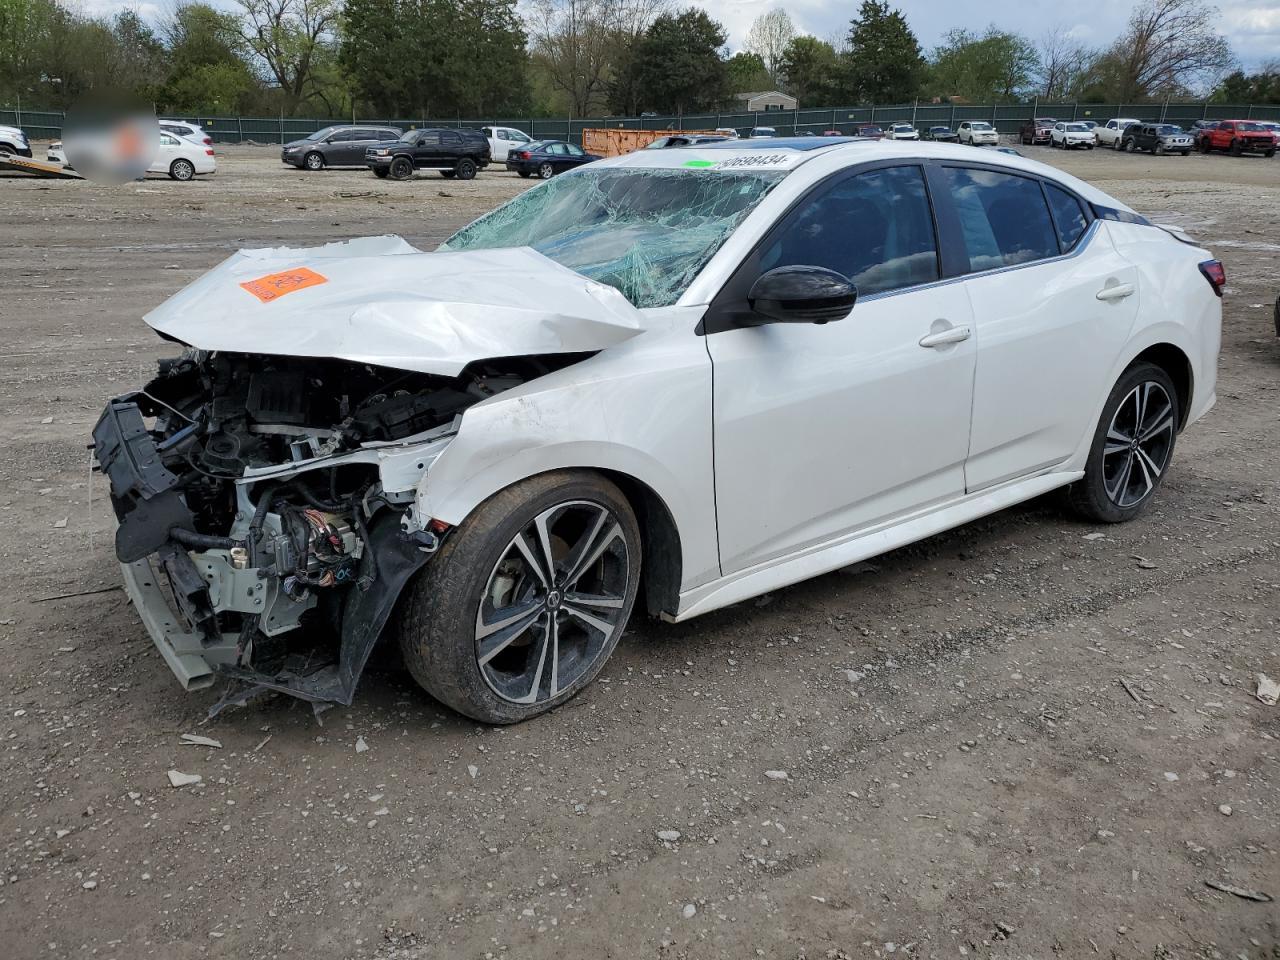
{"points": [[426, 149], [1053, 303], [575, 156], [825, 430], [168, 150], [337, 147]]}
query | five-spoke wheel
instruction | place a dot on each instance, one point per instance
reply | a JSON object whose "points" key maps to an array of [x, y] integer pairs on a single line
{"points": [[527, 598], [1132, 446], [552, 602]]}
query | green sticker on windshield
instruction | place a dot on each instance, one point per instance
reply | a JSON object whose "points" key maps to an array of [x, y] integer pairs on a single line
{"points": [[699, 163]]}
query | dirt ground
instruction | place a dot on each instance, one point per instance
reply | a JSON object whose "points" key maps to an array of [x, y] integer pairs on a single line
{"points": [[982, 783]]}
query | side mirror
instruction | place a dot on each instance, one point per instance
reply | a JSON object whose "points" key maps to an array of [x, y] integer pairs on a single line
{"points": [[801, 294]]}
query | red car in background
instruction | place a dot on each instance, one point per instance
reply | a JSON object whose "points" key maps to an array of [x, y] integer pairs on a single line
{"points": [[1037, 130], [872, 130], [1238, 137]]}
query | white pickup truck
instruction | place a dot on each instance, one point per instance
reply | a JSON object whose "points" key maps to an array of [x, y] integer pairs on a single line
{"points": [[1111, 133], [502, 140]]}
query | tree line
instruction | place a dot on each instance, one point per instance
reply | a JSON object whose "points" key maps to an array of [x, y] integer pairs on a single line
{"points": [[485, 58]]}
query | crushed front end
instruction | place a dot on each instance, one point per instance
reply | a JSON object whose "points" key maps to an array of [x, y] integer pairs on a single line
{"points": [[266, 507]]}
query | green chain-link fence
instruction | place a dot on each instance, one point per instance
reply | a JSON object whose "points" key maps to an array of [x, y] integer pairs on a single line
{"points": [[1007, 117]]}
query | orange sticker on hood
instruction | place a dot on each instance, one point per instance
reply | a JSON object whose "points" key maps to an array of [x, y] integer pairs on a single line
{"points": [[275, 285]]}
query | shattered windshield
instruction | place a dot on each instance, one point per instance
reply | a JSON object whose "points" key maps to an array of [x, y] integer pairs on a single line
{"points": [[646, 232]]}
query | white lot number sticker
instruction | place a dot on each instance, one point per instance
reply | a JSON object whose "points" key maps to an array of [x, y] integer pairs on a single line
{"points": [[754, 160]]}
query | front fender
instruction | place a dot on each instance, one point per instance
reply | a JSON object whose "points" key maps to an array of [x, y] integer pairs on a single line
{"points": [[649, 421]]}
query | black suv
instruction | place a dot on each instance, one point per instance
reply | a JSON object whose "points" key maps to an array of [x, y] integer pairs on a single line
{"points": [[455, 153], [1157, 137]]}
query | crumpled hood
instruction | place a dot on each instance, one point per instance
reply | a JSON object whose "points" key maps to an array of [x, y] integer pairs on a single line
{"points": [[379, 300]]}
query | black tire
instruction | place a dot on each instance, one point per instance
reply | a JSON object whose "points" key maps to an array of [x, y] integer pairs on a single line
{"points": [[447, 174], [1117, 144], [1186, 153], [380, 172], [444, 605], [1131, 146], [1093, 496], [401, 168], [1204, 145], [465, 169], [524, 173], [1269, 153], [1235, 148], [546, 171], [313, 161], [182, 169], [1157, 150]]}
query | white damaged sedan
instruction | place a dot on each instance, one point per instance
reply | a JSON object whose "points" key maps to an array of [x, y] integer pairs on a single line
{"points": [[680, 377]]}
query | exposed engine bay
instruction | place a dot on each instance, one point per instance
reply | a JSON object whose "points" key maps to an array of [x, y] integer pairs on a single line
{"points": [[264, 534]]}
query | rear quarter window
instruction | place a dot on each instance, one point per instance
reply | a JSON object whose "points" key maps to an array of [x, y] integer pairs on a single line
{"points": [[1068, 216]]}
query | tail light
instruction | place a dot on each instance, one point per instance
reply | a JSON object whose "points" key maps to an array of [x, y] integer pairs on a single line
{"points": [[1215, 274], [209, 152], [208, 141], [522, 155]]}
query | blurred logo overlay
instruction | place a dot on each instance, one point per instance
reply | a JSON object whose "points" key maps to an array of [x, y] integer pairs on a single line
{"points": [[111, 139]]}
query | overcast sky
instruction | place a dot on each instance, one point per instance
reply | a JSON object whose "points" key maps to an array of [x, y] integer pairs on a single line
{"points": [[1252, 26]]}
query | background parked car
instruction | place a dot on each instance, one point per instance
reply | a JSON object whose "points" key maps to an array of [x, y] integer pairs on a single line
{"points": [[684, 140], [1238, 137], [1071, 134], [1091, 124], [977, 133], [832, 133], [871, 130], [546, 158], [455, 153], [1197, 127], [338, 146], [1037, 130], [13, 140], [1111, 133], [902, 131], [502, 140], [940, 134], [176, 157], [728, 132], [187, 131], [762, 133], [1158, 138]]}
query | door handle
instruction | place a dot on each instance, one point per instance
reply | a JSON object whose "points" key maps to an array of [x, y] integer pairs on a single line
{"points": [[944, 337], [1117, 291]]}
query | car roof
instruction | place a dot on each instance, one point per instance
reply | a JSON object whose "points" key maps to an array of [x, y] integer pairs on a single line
{"points": [[789, 154]]}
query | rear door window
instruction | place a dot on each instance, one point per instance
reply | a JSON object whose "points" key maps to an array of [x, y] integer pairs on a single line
{"points": [[1003, 217]]}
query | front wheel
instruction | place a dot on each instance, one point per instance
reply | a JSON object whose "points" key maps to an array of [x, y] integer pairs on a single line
{"points": [[401, 168], [1235, 148], [465, 169], [313, 161], [380, 172], [182, 169], [526, 600], [546, 171], [1132, 447]]}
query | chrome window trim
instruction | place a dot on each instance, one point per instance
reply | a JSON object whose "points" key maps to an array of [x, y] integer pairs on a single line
{"points": [[1077, 250]]}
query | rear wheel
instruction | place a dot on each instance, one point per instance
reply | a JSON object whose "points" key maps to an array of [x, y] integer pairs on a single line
{"points": [[546, 171], [1132, 447], [313, 161], [380, 172], [1269, 153], [465, 169], [527, 598], [401, 168], [447, 174], [182, 169], [524, 173], [1186, 153]]}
